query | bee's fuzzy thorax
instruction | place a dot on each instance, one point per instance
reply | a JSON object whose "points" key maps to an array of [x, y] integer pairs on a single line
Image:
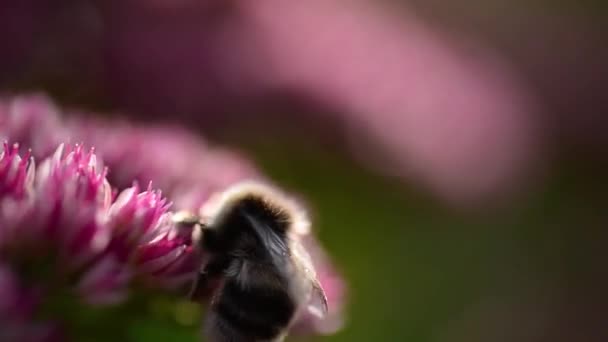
{"points": [[261, 198]]}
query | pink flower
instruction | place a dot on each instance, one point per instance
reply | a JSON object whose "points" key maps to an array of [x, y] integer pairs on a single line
{"points": [[16, 180], [144, 234], [137, 217], [61, 221], [72, 195], [61, 217], [170, 258], [15, 174]]}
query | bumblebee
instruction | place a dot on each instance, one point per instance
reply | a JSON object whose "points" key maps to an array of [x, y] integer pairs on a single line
{"points": [[262, 278]]}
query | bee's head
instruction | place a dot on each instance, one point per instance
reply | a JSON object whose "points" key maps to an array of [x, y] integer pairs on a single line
{"points": [[251, 214], [263, 212], [258, 200], [245, 227]]}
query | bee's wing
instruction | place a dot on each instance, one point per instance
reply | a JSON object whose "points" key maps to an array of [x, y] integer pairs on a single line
{"points": [[317, 304], [318, 300]]}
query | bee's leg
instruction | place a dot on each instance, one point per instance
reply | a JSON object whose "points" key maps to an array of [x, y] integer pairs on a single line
{"points": [[208, 279], [200, 286]]}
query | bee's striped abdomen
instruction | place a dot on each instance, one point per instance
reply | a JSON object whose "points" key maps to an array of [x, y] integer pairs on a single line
{"points": [[258, 313]]}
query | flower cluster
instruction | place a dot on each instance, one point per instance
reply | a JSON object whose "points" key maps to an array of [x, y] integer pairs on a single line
{"points": [[61, 229], [183, 165]]}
